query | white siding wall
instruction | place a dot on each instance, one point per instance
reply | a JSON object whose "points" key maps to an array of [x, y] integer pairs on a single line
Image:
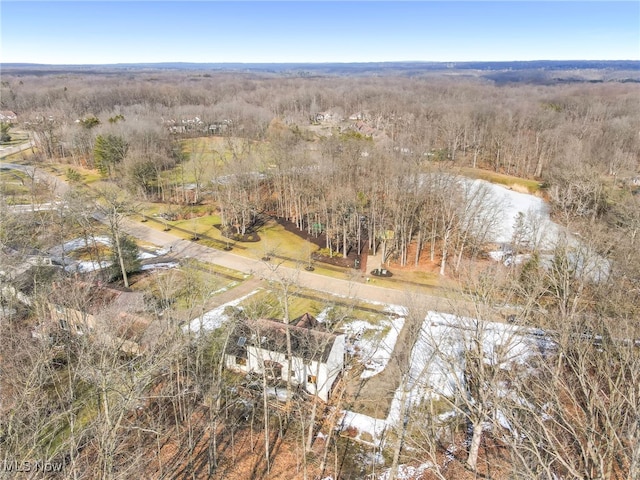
{"points": [[330, 370], [325, 373]]}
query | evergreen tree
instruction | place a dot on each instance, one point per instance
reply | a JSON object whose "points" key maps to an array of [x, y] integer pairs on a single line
{"points": [[129, 252], [4, 132], [108, 151], [90, 122]]}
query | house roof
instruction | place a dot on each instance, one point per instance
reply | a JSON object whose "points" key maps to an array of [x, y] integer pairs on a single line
{"points": [[94, 298], [307, 342], [307, 321]]}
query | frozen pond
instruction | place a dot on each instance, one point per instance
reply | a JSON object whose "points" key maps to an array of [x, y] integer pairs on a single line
{"points": [[512, 205]]}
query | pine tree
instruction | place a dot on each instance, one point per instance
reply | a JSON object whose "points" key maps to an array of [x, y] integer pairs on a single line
{"points": [[129, 252], [108, 151], [4, 132]]}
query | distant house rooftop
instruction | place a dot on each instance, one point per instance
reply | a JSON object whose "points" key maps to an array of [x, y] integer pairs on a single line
{"points": [[94, 298], [8, 116]]}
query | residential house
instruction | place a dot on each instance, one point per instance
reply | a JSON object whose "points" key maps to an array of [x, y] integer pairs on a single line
{"points": [[326, 117], [218, 128], [23, 270], [358, 116], [317, 356], [364, 129], [114, 317], [178, 129], [7, 116]]}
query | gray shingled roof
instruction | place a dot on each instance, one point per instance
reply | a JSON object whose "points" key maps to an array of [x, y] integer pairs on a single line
{"points": [[307, 343]]}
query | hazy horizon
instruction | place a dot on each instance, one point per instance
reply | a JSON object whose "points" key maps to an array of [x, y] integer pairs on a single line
{"points": [[391, 62], [148, 32]]}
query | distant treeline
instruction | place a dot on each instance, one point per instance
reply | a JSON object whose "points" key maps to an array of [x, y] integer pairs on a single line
{"points": [[538, 71]]}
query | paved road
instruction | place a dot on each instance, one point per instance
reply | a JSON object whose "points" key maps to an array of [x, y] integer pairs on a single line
{"points": [[270, 271], [356, 288], [58, 187], [6, 151]]}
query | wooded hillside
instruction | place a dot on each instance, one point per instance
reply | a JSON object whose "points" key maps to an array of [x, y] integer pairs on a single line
{"points": [[535, 373]]}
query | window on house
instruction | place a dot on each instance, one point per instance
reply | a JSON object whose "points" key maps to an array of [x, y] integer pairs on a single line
{"points": [[312, 379], [273, 370], [63, 324], [241, 361]]}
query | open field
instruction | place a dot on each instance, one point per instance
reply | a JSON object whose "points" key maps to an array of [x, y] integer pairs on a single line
{"points": [[17, 138], [14, 183]]}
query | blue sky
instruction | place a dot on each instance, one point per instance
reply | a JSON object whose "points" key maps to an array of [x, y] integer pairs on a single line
{"points": [[94, 32]]}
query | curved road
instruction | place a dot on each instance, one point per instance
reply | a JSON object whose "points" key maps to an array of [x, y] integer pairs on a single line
{"points": [[6, 151], [356, 288], [58, 187]]}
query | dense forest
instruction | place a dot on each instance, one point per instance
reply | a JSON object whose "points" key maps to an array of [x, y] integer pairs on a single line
{"points": [[393, 167]]}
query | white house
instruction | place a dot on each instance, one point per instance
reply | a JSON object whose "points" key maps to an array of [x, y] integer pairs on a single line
{"points": [[260, 346]]}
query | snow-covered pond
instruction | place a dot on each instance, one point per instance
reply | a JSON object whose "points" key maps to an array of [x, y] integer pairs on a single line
{"points": [[510, 206], [529, 215]]}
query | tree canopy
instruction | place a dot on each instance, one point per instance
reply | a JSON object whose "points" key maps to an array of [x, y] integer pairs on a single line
{"points": [[109, 150]]}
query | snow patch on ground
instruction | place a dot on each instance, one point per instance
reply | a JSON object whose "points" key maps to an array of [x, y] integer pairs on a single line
{"points": [[502, 420], [215, 318], [407, 472], [159, 252], [159, 266], [437, 362], [78, 243], [373, 348], [86, 266], [322, 316], [437, 357], [390, 308], [225, 288], [279, 393], [375, 427]]}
